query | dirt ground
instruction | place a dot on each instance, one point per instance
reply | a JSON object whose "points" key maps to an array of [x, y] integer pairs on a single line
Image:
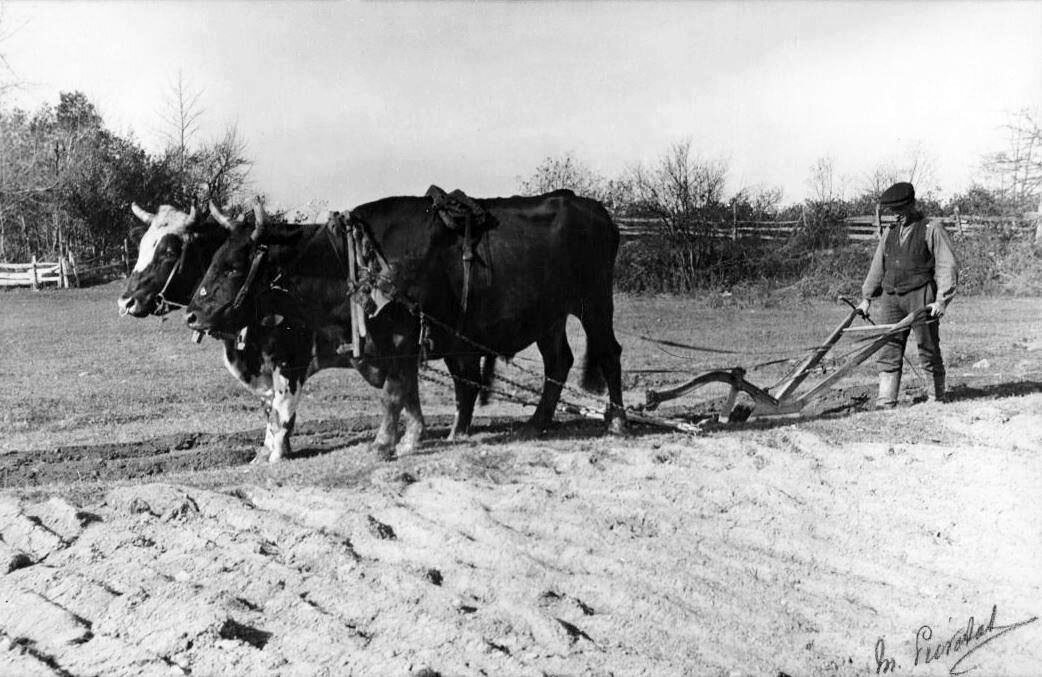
{"points": [[137, 540]]}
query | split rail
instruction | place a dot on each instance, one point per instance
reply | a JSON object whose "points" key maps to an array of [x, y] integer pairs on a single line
{"points": [[865, 227], [64, 273]]}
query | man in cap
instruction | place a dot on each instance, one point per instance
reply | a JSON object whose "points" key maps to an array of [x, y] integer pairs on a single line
{"points": [[914, 267]]}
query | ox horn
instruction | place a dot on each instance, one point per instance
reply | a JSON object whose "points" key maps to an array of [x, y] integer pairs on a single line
{"points": [[142, 215], [220, 218], [192, 214], [259, 218]]}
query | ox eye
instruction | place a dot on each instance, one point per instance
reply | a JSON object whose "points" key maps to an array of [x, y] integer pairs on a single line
{"points": [[202, 291]]}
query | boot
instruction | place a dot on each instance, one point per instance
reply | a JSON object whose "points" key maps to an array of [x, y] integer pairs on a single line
{"points": [[939, 393], [889, 384]]}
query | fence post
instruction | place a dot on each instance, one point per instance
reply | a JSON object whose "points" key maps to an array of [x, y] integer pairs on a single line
{"points": [[879, 223], [72, 266], [63, 280], [1038, 222], [958, 221], [734, 220], [126, 258], [35, 283]]}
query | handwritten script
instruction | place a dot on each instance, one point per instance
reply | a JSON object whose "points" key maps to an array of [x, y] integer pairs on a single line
{"points": [[959, 646]]}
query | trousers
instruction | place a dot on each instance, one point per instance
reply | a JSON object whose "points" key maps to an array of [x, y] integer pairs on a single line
{"points": [[894, 309]]}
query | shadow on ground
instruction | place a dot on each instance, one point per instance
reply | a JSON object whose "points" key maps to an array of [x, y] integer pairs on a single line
{"points": [[842, 402], [194, 451]]}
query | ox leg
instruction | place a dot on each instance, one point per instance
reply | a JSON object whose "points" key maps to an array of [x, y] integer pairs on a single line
{"points": [[414, 424], [260, 382], [557, 361], [400, 394], [466, 378], [282, 415], [605, 353], [387, 433]]}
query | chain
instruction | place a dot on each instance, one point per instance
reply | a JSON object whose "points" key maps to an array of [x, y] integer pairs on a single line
{"points": [[579, 410], [565, 387]]}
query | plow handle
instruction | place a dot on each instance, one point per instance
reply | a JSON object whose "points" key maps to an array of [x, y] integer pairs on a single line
{"points": [[850, 302]]}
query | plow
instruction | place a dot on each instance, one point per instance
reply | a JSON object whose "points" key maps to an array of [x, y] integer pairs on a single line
{"points": [[788, 397], [792, 394]]}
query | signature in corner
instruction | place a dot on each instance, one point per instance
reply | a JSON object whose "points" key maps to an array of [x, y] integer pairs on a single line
{"points": [[961, 645]]}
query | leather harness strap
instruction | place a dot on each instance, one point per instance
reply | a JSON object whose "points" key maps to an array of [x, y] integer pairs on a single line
{"points": [[165, 304], [452, 208], [255, 264]]}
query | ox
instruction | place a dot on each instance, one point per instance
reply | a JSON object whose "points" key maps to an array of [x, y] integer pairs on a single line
{"points": [[506, 277], [174, 254]]}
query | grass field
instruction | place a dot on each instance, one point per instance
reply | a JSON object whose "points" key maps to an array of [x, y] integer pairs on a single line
{"points": [[138, 540]]}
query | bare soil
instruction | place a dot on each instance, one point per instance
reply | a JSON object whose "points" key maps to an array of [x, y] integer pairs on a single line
{"points": [[137, 539]]}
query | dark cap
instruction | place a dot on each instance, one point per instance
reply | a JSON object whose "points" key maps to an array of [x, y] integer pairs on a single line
{"points": [[900, 194]]}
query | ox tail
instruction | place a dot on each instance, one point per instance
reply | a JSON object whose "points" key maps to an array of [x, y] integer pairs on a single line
{"points": [[592, 376], [488, 375]]}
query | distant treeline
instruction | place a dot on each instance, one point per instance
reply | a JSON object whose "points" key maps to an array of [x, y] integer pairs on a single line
{"points": [[66, 182]]}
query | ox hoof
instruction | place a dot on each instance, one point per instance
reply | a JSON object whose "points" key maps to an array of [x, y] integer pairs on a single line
{"points": [[383, 451], [406, 448], [617, 426], [265, 455], [458, 436], [530, 431]]}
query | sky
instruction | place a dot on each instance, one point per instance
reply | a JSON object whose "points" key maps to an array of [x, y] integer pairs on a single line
{"points": [[342, 103]]}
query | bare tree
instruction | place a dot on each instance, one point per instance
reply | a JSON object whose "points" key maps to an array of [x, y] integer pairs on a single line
{"points": [[180, 116], [555, 173], [921, 168], [825, 187], [679, 186], [879, 179], [225, 167], [758, 201], [1018, 168], [569, 172]]}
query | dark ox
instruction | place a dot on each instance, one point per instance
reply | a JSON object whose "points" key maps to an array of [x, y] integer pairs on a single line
{"points": [[174, 254], [536, 261]]}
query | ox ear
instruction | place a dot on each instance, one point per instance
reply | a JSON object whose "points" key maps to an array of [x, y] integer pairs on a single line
{"points": [[141, 214]]}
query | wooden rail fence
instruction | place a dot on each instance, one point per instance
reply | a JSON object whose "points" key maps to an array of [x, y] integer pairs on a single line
{"points": [[857, 227], [64, 273]]}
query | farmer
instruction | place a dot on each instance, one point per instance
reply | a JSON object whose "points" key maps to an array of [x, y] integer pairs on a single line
{"points": [[914, 267]]}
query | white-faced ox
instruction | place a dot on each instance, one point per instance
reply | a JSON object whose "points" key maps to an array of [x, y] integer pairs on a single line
{"points": [[174, 254], [494, 286]]}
